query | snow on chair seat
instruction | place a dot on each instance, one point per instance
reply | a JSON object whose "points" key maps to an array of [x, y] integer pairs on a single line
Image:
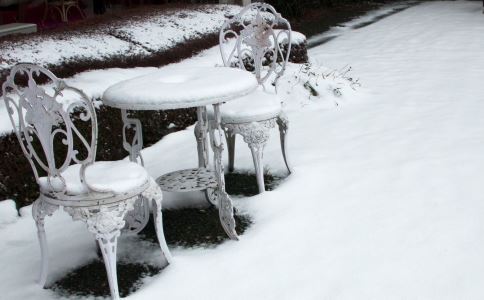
{"points": [[118, 177], [268, 107]]}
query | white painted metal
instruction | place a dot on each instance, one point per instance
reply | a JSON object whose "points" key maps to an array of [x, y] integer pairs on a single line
{"points": [[62, 7], [42, 120], [126, 95], [257, 45], [188, 180]]}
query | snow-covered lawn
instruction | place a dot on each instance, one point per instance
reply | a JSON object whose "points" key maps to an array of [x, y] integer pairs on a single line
{"points": [[130, 38], [386, 201]]}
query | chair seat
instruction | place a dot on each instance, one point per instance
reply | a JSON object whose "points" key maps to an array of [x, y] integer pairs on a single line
{"points": [[116, 176], [256, 106]]}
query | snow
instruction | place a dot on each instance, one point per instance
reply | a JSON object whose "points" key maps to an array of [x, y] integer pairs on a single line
{"points": [[165, 31], [296, 37], [8, 212], [267, 105], [92, 83], [385, 201], [54, 51], [312, 85], [365, 20], [114, 176], [180, 87]]}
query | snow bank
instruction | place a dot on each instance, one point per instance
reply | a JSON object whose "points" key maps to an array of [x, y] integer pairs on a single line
{"points": [[8, 212], [165, 31], [53, 51]]}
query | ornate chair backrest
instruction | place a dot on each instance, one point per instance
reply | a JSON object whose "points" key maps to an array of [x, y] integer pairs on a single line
{"points": [[258, 39], [48, 133]]}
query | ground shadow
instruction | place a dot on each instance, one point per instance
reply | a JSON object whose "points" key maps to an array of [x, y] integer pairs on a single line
{"points": [[186, 228]]}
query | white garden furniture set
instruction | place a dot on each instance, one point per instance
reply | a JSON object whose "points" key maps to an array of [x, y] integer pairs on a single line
{"points": [[114, 196], [257, 48]]}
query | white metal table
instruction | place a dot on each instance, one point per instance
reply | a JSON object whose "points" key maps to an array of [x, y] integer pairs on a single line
{"points": [[183, 87]]}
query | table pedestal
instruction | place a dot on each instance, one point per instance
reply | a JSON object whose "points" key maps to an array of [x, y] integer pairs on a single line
{"points": [[212, 181], [203, 178]]}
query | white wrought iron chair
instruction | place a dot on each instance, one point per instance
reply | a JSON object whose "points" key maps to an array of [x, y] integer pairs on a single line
{"points": [[63, 161], [62, 7], [258, 39]]}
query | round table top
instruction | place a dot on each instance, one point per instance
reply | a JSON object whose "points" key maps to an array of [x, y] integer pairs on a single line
{"points": [[180, 87]]}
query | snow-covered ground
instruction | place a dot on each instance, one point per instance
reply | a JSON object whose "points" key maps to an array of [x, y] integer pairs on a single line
{"points": [[127, 38], [386, 200], [359, 22]]}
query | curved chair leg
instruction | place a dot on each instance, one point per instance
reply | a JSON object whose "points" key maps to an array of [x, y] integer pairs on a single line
{"points": [[155, 194], [40, 210], [106, 222], [157, 217], [283, 123], [256, 135], [257, 156], [108, 245], [230, 137]]}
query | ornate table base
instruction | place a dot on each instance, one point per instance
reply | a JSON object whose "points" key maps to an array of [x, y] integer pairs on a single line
{"points": [[198, 179]]}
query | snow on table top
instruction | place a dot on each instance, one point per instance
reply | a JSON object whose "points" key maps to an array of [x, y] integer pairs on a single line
{"points": [[180, 87]]}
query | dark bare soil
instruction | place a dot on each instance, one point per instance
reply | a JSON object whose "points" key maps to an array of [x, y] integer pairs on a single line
{"points": [[187, 228]]}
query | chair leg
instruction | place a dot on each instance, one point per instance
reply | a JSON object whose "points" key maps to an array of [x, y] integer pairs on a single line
{"points": [[256, 135], [154, 193], [40, 210], [105, 222], [158, 220], [257, 155], [283, 123], [108, 245], [230, 137]]}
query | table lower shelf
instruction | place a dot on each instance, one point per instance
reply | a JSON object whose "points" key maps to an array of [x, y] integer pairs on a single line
{"points": [[188, 180]]}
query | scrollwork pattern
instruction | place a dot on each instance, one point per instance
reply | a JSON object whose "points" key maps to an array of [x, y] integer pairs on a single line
{"points": [[224, 203], [39, 117], [254, 133], [136, 144], [42, 209], [256, 41], [104, 221]]}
